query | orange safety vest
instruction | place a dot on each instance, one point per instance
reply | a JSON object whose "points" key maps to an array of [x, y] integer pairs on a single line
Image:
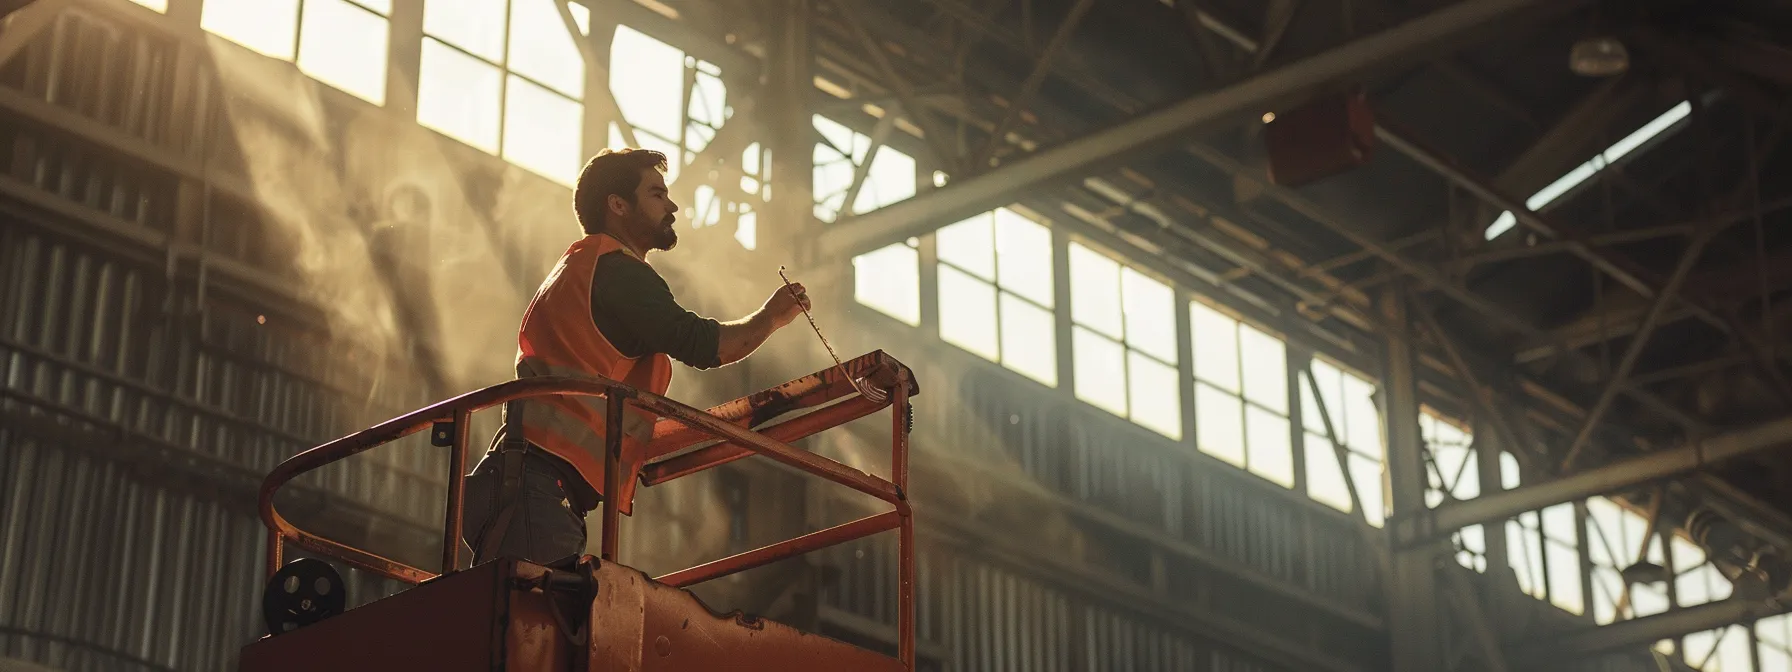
{"points": [[558, 338]]}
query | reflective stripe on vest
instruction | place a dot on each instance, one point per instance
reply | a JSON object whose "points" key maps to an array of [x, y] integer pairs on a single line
{"points": [[558, 338]]}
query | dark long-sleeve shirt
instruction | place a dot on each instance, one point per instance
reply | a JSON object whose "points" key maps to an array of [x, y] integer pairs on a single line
{"points": [[634, 309]]}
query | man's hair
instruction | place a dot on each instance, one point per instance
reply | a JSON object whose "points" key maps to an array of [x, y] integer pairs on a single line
{"points": [[612, 171]]}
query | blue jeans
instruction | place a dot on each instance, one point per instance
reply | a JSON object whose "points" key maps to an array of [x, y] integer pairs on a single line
{"points": [[546, 526]]}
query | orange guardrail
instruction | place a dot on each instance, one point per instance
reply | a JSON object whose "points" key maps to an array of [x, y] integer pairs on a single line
{"points": [[827, 399]]}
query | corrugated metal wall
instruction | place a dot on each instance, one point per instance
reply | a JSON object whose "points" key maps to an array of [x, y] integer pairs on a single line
{"points": [[984, 616], [114, 418], [141, 403]]}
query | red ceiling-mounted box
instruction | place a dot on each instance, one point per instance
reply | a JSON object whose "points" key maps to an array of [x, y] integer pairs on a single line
{"points": [[1319, 139]]}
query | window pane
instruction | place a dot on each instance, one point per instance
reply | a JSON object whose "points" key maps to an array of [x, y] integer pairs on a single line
{"points": [[474, 25], [158, 5], [836, 136], [1732, 652], [1271, 449], [891, 179], [1150, 315], [1605, 540], [1215, 339], [1095, 291], [968, 313], [1154, 395], [1647, 601], [1608, 588], [1367, 475], [1775, 660], [264, 26], [1525, 556], [1772, 630], [1099, 373], [1219, 424], [542, 50], [1029, 340], [1461, 476], [1325, 479], [1509, 472], [1558, 524], [1265, 368], [1564, 577], [889, 281], [1362, 423], [1025, 251], [541, 131], [345, 46], [650, 89], [459, 95], [708, 109], [970, 245], [1330, 383]]}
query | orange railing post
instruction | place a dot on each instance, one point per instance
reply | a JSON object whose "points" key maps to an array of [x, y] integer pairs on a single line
{"points": [[612, 473], [905, 541], [457, 481]]}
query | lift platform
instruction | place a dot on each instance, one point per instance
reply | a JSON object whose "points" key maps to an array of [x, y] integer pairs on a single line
{"points": [[595, 615]]}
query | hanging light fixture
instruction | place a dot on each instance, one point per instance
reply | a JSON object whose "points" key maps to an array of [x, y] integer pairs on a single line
{"points": [[1602, 56]]}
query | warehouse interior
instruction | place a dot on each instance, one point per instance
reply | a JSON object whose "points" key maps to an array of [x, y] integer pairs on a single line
{"points": [[1249, 335]]}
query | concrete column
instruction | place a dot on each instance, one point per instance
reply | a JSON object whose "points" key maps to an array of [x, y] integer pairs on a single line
{"points": [[1413, 614], [789, 86]]}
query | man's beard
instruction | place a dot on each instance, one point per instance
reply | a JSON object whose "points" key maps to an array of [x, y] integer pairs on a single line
{"points": [[666, 236]]}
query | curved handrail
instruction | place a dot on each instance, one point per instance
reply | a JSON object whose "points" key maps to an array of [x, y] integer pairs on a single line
{"points": [[730, 427]]}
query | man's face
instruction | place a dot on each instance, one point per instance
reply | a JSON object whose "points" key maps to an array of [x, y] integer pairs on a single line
{"points": [[650, 222]]}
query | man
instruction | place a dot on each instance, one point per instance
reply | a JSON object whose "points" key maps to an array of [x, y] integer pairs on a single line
{"points": [[602, 311]]}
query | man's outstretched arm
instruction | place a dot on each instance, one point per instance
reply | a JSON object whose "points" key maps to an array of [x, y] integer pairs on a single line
{"points": [[741, 337], [633, 308]]}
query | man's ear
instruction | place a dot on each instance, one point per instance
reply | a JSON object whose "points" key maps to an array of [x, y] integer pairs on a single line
{"points": [[616, 204]]}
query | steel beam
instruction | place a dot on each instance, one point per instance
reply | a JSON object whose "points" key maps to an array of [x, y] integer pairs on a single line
{"points": [[1030, 87], [1168, 126], [1494, 507], [1643, 632], [1615, 383], [1618, 268], [933, 133]]}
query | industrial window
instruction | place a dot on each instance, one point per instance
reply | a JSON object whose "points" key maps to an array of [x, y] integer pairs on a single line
{"points": [[158, 5], [341, 43], [1544, 551], [1241, 394], [755, 180], [1721, 650], [1350, 402], [1669, 120], [506, 78], [1618, 538], [995, 289], [1123, 342], [673, 102], [888, 280], [1452, 474], [889, 178], [1773, 642]]}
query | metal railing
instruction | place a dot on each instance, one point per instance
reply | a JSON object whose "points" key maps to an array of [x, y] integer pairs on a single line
{"points": [[662, 459]]}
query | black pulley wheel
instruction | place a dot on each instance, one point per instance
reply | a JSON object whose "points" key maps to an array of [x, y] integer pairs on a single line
{"points": [[303, 592]]}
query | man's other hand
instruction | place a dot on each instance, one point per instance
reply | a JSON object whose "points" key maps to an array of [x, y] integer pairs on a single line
{"points": [[788, 302]]}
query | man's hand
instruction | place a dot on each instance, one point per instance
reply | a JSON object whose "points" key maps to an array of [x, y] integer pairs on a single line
{"points": [[785, 304]]}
